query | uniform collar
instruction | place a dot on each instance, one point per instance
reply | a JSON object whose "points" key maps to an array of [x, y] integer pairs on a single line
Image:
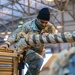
{"points": [[34, 25]]}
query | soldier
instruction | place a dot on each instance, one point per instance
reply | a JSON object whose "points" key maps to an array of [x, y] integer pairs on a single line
{"points": [[34, 54]]}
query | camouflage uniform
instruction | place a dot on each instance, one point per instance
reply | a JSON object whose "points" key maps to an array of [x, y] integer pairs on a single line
{"points": [[33, 54]]}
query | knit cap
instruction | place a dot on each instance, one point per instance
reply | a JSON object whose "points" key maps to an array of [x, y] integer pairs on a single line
{"points": [[44, 14]]}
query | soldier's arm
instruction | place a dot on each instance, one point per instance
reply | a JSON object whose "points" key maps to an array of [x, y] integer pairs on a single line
{"points": [[13, 36], [52, 29], [55, 31], [11, 39]]}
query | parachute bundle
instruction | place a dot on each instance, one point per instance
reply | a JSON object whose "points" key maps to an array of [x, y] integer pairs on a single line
{"points": [[40, 39], [60, 65]]}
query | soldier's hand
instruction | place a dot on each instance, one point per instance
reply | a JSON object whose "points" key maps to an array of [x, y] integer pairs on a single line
{"points": [[45, 34], [4, 46]]}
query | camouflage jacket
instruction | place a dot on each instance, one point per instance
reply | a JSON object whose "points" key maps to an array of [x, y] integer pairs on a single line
{"points": [[31, 27]]}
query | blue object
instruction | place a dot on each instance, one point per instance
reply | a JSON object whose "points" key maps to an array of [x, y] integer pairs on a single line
{"points": [[72, 65]]}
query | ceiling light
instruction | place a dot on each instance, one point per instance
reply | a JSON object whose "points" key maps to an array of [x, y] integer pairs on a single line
{"points": [[50, 0], [2, 33], [59, 26], [8, 32]]}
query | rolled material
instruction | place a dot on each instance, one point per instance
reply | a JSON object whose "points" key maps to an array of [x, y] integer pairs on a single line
{"points": [[60, 65], [51, 38]]}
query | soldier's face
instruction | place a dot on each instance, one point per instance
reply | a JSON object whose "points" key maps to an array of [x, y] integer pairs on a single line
{"points": [[42, 23]]}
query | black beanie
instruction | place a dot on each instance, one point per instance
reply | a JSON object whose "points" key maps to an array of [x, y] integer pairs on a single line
{"points": [[44, 14]]}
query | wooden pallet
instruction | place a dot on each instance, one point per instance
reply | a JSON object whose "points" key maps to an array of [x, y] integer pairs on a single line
{"points": [[8, 62]]}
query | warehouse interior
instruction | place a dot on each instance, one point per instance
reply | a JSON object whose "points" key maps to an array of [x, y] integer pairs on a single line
{"points": [[12, 11], [62, 16]]}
